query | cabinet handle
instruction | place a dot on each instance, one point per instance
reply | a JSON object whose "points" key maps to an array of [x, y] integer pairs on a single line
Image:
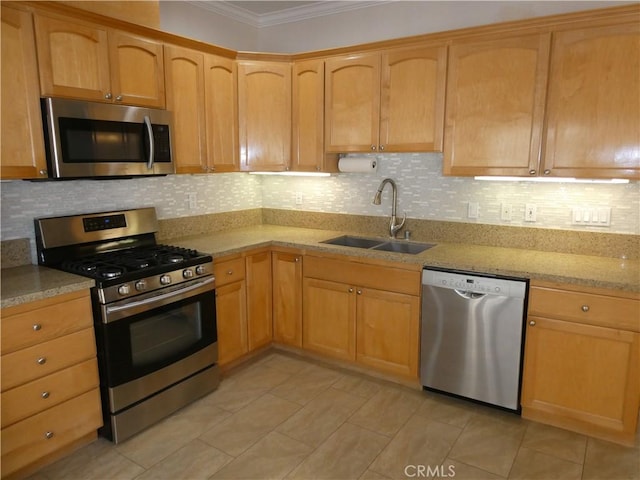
{"points": [[585, 308], [119, 98], [351, 290], [381, 148], [359, 292], [547, 172], [297, 259], [532, 172], [532, 323], [44, 395], [373, 147], [36, 327], [42, 360], [43, 173], [48, 435], [229, 272], [108, 96]]}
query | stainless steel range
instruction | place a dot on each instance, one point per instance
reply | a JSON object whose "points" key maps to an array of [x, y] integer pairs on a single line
{"points": [[154, 313]]}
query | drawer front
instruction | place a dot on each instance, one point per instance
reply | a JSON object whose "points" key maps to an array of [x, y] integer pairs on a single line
{"points": [[46, 392], [603, 310], [228, 271], [42, 324], [42, 434], [363, 275], [43, 359]]}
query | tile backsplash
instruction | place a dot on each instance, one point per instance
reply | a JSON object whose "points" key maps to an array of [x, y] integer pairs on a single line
{"points": [[422, 193]]}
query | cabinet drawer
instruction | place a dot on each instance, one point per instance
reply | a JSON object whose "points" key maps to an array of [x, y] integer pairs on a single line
{"points": [[228, 271], [44, 322], [608, 311], [37, 436], [363, 275], [43, 359], [34, 397]]}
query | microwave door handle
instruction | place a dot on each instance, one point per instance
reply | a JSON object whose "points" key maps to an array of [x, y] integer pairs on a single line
{"points": [[147, 122]]}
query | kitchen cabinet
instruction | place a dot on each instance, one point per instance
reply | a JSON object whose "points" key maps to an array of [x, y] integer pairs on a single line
{"points": [[581, 369], [362, 312], [390, 101], [259, 299], [82, 60], [264, 112], [50, 388], [287, 297], [495, 105], [21, 143], [593, 125]]}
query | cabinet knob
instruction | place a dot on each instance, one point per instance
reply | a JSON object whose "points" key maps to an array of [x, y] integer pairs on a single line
{"points": [[373, 147], [359, 292], [41, 360], [229, 272], [44, 395], [547, 172], [108, 96], [532, 323], [36, 327], [43, 173], [119, 98], [297, 259], [381, 148], [48, 435], [532, 172], [351, 290], [585, 308]]}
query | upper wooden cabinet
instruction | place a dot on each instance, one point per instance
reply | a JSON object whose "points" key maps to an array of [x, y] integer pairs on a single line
{"points": [[393, 101], [495, 105], [593, 106], [87, 61], [264, 112], [21, 139]]}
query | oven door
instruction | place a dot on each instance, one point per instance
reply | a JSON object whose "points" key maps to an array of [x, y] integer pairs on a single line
{"points": [[151, 341]]}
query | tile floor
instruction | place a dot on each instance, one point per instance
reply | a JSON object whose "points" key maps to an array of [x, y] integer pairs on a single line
{"points": [[286, 417]]}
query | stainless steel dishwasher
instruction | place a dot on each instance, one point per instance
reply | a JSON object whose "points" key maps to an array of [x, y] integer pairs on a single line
{"points": [[472, 336]]}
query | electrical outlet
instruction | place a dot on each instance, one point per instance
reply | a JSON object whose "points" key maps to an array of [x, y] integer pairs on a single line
{"points": [[530, 212], [298, 198], [192, 200], [472, 210], [506, 211]]}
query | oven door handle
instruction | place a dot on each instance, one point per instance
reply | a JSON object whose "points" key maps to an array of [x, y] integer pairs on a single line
{"points": [[117, 312]]}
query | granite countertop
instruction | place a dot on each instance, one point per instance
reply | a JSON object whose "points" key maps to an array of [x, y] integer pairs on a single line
{"points": [[28, 283]]}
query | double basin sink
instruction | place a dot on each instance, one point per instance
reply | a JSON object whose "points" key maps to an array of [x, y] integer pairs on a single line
{"points": [[398, 246]]}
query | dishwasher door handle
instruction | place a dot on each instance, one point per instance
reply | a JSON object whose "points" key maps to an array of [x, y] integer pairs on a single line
{"points": [[466, 294]]}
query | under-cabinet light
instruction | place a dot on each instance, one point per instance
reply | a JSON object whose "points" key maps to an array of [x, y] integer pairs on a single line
{"points": [[294, 174], [552, 180]]}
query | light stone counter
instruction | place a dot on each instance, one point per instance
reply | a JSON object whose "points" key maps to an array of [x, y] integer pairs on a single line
{"points": [[29, 283], [584, 270]]}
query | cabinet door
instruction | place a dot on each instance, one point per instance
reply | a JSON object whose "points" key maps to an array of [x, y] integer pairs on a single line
{"points": [[352, 103], [412, 99], [387, 326], [259, 300], [581, 375], [137, 70], [264, 110], [21, 142], [184, 70], [287, 298], [328, 321], [495, 105], [308, 116], [231, 318], [221, 97], [73, 59], [593, 124]]}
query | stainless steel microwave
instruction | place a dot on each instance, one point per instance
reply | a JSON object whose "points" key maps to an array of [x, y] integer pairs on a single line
{"points": [[99, 140]]}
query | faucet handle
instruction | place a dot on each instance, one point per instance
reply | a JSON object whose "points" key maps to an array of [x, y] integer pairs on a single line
{"points": [[395, 227]]}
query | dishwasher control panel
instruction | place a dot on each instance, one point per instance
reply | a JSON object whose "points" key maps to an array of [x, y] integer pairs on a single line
{"points": [[474, 283]]}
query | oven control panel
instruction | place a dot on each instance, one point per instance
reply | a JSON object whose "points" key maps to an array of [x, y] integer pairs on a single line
{"points": [[105, 222]]}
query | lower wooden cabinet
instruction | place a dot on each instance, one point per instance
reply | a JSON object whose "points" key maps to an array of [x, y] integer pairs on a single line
{"points": [[50, 389], [231, 319], [287, 297], [577, 374], [259, 302]]}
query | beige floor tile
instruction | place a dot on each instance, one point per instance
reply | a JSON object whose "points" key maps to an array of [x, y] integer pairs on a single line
{"points": [[388, 410], [555, 441], [446, 410], [321, 417], [462, 471], [164, 438], [306, 384], [245, 427], [533, 465], [345, 455], [605, 460], [231, 398], [195, 461], [285, 363], [358, 385], [489, 443], [98, 460], [274, 456], [258, 376], [419, 442], [371, 475]]}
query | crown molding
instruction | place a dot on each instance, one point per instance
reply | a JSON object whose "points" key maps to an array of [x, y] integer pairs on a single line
{"points": [[289, 15]]}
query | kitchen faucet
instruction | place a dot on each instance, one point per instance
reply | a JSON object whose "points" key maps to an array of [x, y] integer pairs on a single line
{"points": [[393, 226]]}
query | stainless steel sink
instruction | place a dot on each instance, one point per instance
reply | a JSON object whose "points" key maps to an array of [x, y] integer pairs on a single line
{"points": [[397, 246], [412, 248]]}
